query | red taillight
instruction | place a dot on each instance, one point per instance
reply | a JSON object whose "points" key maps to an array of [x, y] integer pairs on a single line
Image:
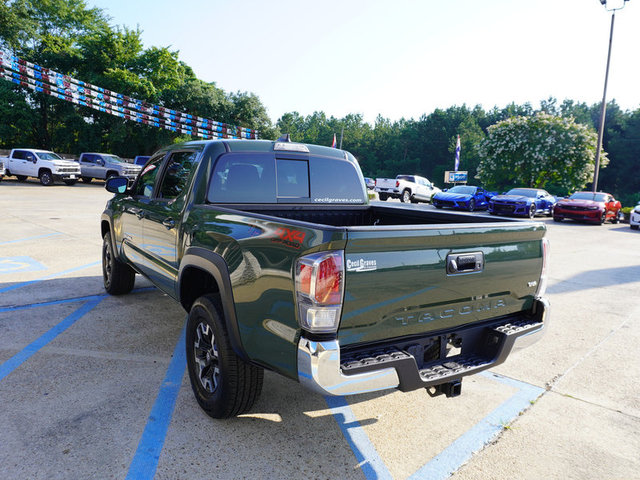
{"points": [[328, 288], [397, 183], [319, 279], [304, 278]]}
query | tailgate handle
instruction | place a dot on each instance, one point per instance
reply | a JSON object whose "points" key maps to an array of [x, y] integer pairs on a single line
{"points": [[458, 263]]}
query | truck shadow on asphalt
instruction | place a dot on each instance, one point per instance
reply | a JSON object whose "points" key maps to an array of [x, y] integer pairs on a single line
{"points": [[597, 279]]}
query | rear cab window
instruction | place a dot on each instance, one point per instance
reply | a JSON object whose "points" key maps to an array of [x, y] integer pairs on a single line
{"points": [[257, 177]]}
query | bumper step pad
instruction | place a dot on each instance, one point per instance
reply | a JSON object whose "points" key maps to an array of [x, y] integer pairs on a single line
{"points": [[487, 346]]}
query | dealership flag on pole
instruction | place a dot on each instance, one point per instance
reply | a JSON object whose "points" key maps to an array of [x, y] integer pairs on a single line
{"points": [[457, 154], [334, 143]]}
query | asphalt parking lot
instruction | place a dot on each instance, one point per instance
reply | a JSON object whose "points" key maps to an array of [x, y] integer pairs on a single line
{"points": [[94, 386]]}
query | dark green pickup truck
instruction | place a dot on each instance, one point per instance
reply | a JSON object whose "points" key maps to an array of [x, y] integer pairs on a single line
{"points": [[282, 263]]}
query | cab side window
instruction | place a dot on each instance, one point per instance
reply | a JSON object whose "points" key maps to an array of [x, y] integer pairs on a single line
{"points": [[176, 175], [147, 178]]}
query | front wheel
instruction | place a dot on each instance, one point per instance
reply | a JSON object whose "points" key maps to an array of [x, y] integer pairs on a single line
{"points": [[46, 178], [532, 211], [603, 218], [21, 178], [118, 277], [87, 179], [224, 385], [70, 182], [557, 219]]}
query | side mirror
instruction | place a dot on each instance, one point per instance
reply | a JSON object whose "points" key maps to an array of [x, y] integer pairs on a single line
{"points": [[116, 184], [101, 162], [31, 158]]}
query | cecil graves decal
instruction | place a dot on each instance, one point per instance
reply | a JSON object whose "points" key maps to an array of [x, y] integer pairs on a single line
{"points": [[361, 265]]}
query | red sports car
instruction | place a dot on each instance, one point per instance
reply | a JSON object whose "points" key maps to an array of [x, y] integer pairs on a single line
{"points": [[588, 207]]}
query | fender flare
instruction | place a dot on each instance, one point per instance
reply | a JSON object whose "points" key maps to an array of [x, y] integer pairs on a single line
{"points": [[216, 265]]}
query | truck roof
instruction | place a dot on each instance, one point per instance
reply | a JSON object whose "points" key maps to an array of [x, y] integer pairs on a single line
{"points": [[242, 145], [34, 150], [98, 153]]}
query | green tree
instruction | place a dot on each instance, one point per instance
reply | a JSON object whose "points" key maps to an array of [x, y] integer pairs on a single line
{"points": [[538, 151]]}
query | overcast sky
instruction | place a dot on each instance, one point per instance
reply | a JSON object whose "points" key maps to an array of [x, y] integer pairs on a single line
{"points": [[396, 58]]}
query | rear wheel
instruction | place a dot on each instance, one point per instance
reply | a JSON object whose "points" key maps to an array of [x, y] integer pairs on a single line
{"points": [[557, 219], [472, 205], [616, 218], [118, 277], [603, 218], [46, 178], [382, 196], [70, 182], [406, 196], [224, 385], [634, 227], [21, 178]]}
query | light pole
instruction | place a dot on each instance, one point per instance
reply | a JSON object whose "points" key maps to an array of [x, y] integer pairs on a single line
{"points": [[612, 6]]}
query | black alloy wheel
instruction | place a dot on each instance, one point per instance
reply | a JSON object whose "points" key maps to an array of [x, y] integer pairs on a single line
{"points": [[118, 278], [223, 383], [46, 178], [206, 357]]}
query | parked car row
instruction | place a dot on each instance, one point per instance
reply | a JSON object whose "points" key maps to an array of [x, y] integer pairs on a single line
{"points": [[589, 207], [49, 167]]}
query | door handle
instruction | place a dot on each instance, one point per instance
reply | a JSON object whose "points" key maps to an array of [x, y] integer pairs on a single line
{"points": [[169, 223], [138, 212]]}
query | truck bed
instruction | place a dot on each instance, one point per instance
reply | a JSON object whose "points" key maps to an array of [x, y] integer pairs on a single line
{"points": [[404, 287], [368, 215]]}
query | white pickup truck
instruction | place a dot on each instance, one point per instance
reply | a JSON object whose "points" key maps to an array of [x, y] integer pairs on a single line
{"points": [[408, 188], [42, 164], [105, 165]]}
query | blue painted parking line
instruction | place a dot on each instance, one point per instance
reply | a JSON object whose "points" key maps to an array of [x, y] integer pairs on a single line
{"points": [[49, 277], [19, 265], [27, 239], [451, 458], [14, 362], [145, 460], [461, 450], [370, 462], [15, 308]]}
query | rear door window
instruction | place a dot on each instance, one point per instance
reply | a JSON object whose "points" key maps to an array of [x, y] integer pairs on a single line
{"points": [[177, 174]]}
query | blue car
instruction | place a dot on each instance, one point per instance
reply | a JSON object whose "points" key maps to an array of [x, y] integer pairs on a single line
{"points": [[464, 197], [527, 202]]}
